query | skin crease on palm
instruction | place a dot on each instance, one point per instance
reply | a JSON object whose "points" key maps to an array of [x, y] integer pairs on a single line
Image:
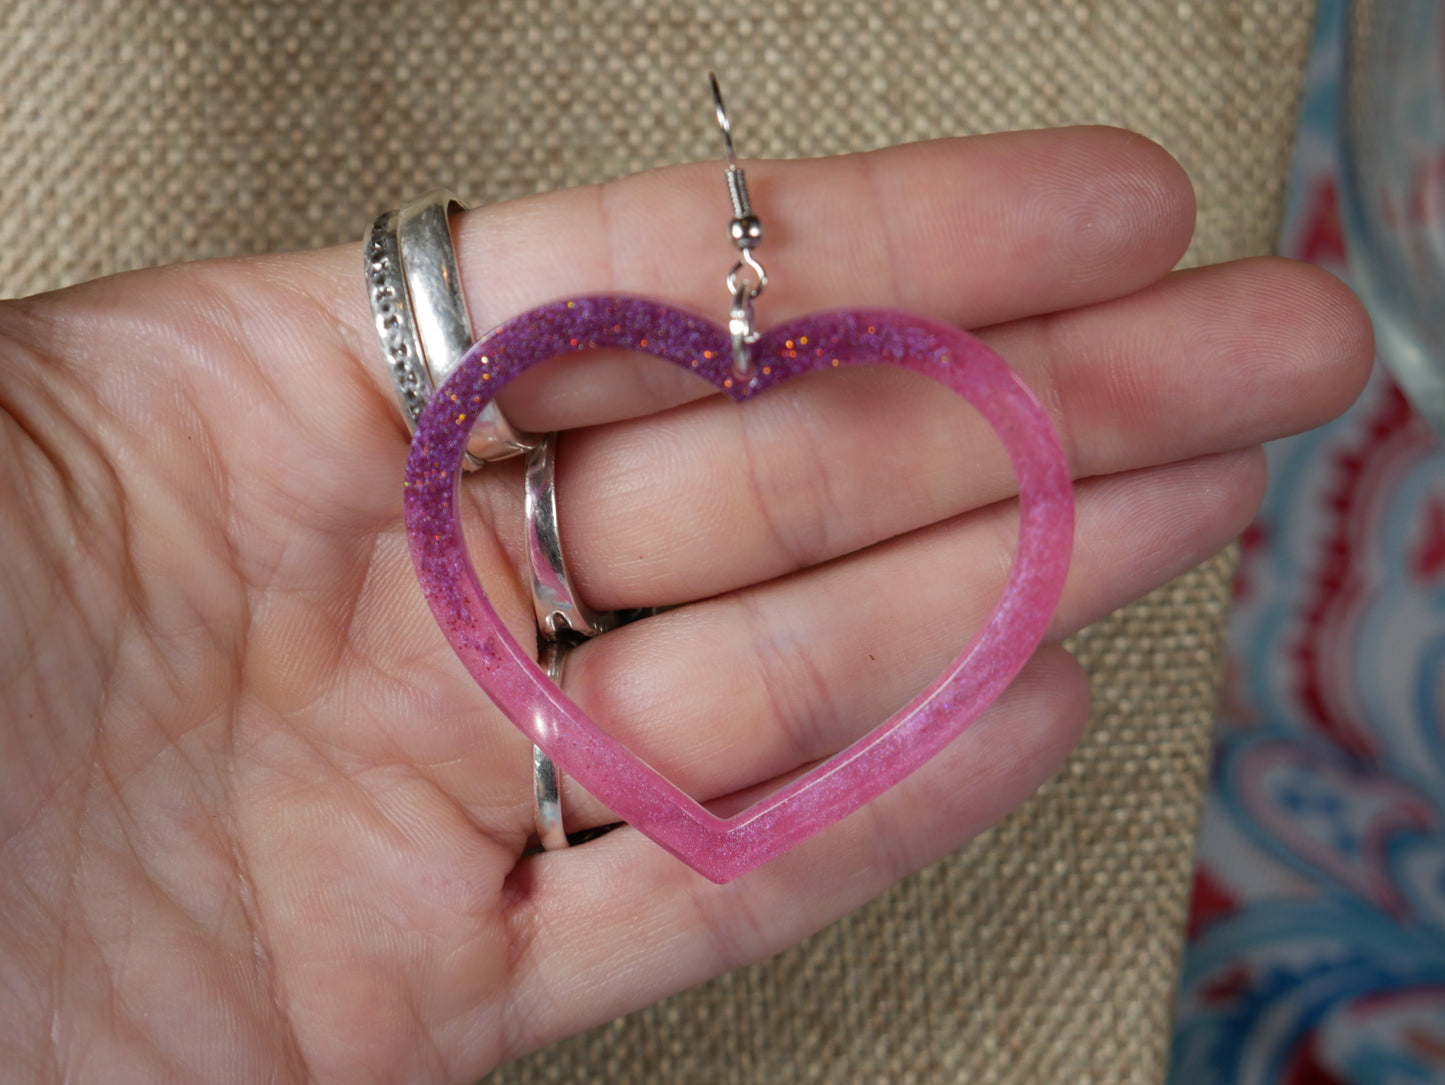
{"points": [[256, 823]]}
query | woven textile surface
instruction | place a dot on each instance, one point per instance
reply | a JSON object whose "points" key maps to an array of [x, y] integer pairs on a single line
{"points": [[136, 133]]}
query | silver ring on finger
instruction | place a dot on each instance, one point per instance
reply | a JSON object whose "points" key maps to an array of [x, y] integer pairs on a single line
{"points": [[421, 316], [546, 776], [563, 620], [558, 609]]}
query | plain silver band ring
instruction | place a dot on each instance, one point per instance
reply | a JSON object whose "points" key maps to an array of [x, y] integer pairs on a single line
{"points": [[434, 286], [557, 607], [433, 282], [546, 776], [562, 618]]}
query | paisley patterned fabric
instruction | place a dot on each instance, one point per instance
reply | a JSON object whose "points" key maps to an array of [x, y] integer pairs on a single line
{"points": [[1317, 941]]}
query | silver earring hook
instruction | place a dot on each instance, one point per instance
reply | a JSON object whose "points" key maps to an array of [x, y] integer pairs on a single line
{"points": [[722, 119], [747, 278]]}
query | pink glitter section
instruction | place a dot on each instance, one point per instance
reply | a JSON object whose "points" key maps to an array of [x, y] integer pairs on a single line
{"points": [[723, 848]]}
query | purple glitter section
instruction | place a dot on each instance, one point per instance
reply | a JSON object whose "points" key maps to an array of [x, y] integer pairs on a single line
{"points": [[724, 848]]}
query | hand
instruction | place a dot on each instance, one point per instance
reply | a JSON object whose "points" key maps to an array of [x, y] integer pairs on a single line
{"points": [[257, 822]]}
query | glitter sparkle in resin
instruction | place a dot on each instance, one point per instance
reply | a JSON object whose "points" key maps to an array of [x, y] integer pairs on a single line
{"points": [[723, 848]]}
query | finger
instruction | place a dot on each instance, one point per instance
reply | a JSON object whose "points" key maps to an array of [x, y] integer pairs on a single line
{"points": [[1206, 360], [807, 664], [951, 228], [712, 496], [618, 923], [972, 231]]}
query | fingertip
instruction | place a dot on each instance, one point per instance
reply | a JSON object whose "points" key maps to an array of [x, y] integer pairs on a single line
{"points": [[1125, 199], [1252, 468], [1336, 333], [1059, 217], [1307, 332], [1157, 523], [1207, 360], [1193, 508], [1057, 688]]}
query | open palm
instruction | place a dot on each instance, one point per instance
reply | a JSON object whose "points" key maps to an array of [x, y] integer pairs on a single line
{"points": [[258, 824]]}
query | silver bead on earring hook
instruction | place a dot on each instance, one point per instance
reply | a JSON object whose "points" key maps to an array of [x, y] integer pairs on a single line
{"points": [[746, 232]]}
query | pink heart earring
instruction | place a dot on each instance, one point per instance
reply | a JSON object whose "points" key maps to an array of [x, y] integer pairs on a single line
{"points": [[742, 363]]}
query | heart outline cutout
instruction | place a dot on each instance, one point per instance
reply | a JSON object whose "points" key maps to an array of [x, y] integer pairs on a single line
{"points": [[724, 848]]}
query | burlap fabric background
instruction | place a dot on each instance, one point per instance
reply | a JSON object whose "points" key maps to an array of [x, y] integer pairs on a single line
{"points": [[136, 133]]}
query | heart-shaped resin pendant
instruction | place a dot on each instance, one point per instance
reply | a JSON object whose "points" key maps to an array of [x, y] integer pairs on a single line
{"points": [[723, 848]]}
